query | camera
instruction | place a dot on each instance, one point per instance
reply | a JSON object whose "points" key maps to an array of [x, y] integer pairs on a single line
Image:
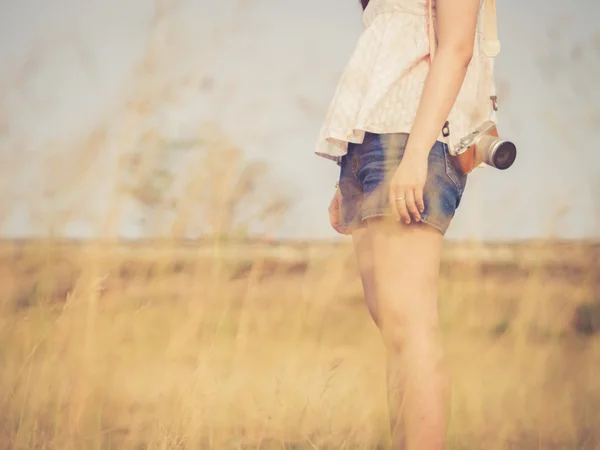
{"points": [[484, 146]]}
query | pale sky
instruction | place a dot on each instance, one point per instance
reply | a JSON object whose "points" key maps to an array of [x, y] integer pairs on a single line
{"points": [[274, 66]]}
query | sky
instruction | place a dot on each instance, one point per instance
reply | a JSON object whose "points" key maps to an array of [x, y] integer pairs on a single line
{"points": [[271, 68]]}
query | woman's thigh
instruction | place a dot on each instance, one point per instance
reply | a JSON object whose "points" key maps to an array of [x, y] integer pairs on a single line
{"points": [[406, 260]]}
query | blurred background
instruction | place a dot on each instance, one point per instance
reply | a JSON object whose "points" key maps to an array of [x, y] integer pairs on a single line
{"points": [[168, 275]]}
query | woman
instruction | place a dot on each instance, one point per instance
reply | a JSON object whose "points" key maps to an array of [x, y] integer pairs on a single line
{"points": [[398, 189]]}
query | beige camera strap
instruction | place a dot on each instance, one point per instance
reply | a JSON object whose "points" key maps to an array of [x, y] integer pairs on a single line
{"points": [[491, 45]]}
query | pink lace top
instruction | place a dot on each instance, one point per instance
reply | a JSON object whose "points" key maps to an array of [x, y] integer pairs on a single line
{"points": [[380, 88]]}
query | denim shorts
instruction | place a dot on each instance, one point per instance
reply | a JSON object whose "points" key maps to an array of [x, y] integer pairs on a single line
{"points": [[364, 179]]}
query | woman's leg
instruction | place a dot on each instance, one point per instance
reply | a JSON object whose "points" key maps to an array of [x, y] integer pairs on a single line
{"points": [[406, 262], [363, 248]]}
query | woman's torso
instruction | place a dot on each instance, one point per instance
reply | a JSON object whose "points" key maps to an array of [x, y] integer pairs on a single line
{"points": [[380, 88]]}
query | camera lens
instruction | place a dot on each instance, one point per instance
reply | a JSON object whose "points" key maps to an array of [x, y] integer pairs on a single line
{"points": [[504, 155]]}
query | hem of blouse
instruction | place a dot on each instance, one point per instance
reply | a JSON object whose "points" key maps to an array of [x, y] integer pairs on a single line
{"points": [[331, 139]]}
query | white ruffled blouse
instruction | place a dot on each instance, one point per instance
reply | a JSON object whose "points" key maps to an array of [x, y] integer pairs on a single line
{"points": [[380, 88]]}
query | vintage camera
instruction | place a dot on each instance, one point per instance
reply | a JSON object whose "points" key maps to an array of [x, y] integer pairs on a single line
{"points": [[484, 146]]}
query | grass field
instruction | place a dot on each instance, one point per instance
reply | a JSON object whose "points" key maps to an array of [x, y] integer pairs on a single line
{"points": [[269, 346]]}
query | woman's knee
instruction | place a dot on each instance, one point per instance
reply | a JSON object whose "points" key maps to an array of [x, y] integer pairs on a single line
{"points": [[402, 328]]}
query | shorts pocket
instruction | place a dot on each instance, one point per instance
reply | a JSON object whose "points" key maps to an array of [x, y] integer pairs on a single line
{"points": [[459, 179]]}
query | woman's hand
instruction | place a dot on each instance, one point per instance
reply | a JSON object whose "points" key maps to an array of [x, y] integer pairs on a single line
{"points": [[406, 187], [334, 210]]}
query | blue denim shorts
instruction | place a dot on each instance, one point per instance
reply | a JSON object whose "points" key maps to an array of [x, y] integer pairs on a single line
{"points": [[364, 179]]}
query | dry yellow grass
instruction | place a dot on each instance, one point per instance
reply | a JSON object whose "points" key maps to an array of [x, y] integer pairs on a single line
{"points": [[221, 345], [218, 345]]}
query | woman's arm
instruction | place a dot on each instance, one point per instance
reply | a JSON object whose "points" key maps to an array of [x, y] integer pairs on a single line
{"points": [[456, 27]]}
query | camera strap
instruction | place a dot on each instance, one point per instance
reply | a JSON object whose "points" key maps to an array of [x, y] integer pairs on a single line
{"points": [[491, 46]]}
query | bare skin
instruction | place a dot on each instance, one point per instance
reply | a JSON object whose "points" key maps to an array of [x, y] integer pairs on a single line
{"points": [[399, 258], [401, 294]]}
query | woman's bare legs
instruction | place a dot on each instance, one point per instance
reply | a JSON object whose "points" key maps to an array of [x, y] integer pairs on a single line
{"points": [[404, 263]]}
